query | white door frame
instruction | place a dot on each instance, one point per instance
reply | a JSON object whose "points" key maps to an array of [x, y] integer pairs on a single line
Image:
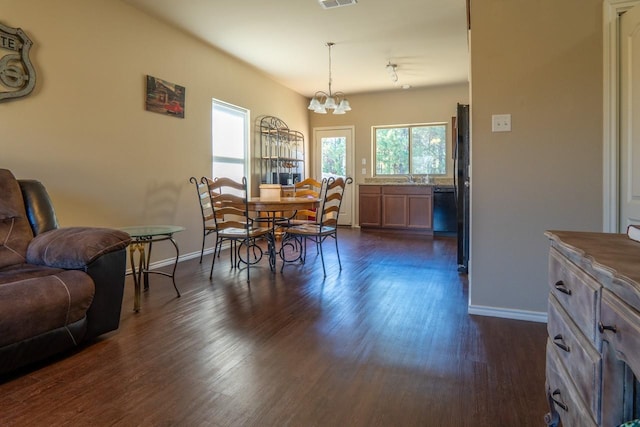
{"points": [[351, 167], [611, 145]]}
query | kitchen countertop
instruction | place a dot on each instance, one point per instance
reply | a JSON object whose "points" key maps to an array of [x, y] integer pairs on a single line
{"points": [[436, 182], [402, 184]]}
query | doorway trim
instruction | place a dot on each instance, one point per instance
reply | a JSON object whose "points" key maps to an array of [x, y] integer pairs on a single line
{"points": [[611, 144], [317, 163]]}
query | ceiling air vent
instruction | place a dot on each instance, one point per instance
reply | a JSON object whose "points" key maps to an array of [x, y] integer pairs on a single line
{"points": [[330, 4]]}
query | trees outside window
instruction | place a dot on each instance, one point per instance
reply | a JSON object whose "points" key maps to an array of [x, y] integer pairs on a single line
{"points": [[412, 149]]}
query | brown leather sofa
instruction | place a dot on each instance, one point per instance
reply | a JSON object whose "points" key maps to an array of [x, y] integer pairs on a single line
{"points": [[59, 287]]}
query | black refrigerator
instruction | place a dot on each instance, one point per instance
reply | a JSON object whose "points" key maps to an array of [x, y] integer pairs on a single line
{"points": [[462, 184]]}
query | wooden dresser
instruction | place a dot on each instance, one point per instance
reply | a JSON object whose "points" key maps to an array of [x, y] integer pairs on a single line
{"points": [[593, 348]]}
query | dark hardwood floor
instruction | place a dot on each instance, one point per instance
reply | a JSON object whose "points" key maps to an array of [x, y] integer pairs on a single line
{"points": [[385, 342]]}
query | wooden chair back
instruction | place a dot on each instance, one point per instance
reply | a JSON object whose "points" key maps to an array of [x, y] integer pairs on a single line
{"points": [[309, 188], [229, 202], [206, 210], [332, 201], [202, 189]]}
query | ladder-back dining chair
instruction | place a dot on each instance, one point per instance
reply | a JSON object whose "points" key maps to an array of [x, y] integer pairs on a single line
{"points": [[208, 223], [326, 224], [310, 188], [229, 199]]}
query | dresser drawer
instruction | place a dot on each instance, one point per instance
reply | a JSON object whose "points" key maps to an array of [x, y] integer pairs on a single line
{"points": [[625, 336], [577, 354], [562, 393], [576, 291]]}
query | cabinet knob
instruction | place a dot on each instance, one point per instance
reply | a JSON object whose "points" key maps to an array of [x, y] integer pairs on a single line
{"points": [[602, 327], [558, 402], [558, 340]]}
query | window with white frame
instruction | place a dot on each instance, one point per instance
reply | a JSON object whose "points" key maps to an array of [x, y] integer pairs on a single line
{"points": [[419, 149], [229, 140]]}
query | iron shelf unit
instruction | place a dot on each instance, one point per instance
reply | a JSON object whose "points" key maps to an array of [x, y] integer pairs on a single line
{"points": [[281, 152]]}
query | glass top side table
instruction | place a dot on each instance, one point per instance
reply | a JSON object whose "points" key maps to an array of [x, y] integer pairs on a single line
{"points": [[142, 236]]}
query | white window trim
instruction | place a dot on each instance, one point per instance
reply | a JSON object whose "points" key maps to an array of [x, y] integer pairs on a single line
{"points": [[247, 140]]}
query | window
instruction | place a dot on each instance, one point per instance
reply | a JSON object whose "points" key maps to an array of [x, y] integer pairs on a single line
{"points": [[411, 149], [229, 140], [334, 156]]}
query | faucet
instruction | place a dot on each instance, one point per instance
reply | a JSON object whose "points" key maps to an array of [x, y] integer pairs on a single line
{"points": [[410, 178]]}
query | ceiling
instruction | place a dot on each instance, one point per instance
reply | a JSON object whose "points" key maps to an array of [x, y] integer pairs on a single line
{"points": [[286, 39]]}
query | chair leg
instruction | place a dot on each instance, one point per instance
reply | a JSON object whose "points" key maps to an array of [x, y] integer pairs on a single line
{"points": [[217, 248], [235, 263], [248, 262], [202, 251], [335, 237], [324, 270], [213, 262], [271, 246]]}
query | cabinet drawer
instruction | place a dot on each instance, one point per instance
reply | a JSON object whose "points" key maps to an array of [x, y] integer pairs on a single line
{"points": [[626, 322], [562, 393], [369, 189], [577, 354], [424, 190], [576, 291]]}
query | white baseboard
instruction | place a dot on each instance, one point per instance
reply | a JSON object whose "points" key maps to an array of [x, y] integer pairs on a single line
{"points": [[508, 313]]}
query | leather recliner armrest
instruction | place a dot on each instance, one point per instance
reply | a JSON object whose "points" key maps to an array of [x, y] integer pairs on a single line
{"points": [[74, 247], [38, 205]]}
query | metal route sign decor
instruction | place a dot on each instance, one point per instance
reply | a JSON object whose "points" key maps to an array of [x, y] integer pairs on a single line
{"points": [[17, 75]]}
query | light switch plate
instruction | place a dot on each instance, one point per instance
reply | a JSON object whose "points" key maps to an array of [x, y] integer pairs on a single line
{"points": [[501, 123]]}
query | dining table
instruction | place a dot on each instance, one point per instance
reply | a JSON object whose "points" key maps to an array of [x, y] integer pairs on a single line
{"points": [[278, 211], [282, 204]]}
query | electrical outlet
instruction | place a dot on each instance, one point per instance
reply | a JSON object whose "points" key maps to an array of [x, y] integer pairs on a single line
{"points": [[364, 161], [364, 171], [501, 123]]}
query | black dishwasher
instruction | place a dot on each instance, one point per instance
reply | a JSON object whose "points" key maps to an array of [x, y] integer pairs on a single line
{"points": [[444, 210]]}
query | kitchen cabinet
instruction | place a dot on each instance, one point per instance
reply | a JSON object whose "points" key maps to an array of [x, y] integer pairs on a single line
{"points": [[593, 347], [370, 210], [281, 152], [408, 207]]}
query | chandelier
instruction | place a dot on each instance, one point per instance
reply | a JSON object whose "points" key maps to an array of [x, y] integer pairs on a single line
{"points": [[323, 101]]}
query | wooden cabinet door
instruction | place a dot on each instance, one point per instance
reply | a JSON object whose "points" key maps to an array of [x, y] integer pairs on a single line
{"points": [[369, 205], [369, 210], [419, 212], [394, 210]]}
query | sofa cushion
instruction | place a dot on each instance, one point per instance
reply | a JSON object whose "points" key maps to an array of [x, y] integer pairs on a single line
{"points": [[15, 231], [74, 247], [33, 306], [18, 272]]}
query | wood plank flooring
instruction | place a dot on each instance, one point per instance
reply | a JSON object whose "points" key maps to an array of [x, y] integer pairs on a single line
{"points": [[385, 342]]}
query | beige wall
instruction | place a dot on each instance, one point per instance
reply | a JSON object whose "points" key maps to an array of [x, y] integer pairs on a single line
{"points": [[426, 105], [84, 131], [542, 63]]}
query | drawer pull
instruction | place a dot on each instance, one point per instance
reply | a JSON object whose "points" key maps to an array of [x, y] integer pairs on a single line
{"points": [[559, 341], [559, 402], [562, 288], [602, 327]]}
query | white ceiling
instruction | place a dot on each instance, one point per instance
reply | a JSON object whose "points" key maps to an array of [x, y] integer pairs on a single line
{"points": [[287, 39]]}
